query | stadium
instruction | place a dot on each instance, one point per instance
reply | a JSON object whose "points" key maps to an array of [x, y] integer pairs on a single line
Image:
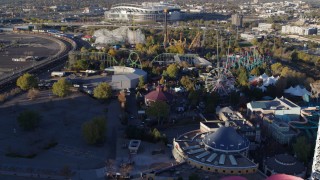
{"points": [[145, 12]]}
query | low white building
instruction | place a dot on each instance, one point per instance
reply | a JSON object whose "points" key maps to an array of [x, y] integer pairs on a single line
{"points": [[280, 107], [125, 77], [298, 30], [264, 27]]}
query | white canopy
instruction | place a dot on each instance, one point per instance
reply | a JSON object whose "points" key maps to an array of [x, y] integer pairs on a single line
{"points": [[297, 91]]}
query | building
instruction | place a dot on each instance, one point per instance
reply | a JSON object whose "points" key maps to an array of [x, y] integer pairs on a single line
{"points": [[264, 27], [300, 30], [237, 19], [158, 95], [125, 77], [145, 12], [223, 151], [283, 176], [93, 10], [244, 127], [60, 8], [282, 108], [315, 173], [284, 164], [279, 129], [134, 146]]}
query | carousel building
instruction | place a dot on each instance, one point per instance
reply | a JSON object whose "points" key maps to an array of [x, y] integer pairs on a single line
{"points": [[222, 151]]}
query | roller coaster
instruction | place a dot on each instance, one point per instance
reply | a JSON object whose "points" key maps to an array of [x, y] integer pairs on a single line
{"points": [[133, 59], [247, 59]]}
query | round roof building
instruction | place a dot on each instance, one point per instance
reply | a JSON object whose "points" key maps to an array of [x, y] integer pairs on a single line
{"points": [[226, 139], [158, 95], [222, 151], [284, 164]]}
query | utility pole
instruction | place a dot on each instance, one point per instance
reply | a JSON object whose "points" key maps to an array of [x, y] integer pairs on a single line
{"points": [[218, 65], [165, 28]]}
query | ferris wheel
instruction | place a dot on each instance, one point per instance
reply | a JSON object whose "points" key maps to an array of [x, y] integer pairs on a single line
{"points": [[220, 80]]}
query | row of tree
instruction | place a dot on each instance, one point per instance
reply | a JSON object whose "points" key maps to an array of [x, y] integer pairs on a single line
{"points": [[61, 88]]}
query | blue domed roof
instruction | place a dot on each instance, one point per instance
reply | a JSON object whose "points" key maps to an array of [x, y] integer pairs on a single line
{"points": [[226, 138]]}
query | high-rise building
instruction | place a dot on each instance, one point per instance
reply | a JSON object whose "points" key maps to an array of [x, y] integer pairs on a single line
{"points": [[236, 19], [315, 174]]}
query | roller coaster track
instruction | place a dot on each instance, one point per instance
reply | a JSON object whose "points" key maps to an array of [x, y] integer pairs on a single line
{"points": [[9, 81]]}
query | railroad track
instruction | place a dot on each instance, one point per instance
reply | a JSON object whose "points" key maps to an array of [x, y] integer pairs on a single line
{"points": [[9, 82]]}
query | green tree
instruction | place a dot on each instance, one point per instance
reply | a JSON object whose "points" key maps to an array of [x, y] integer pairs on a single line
{"points": [[255, 41], [255, 71], [302, 149], [112, 52], [29, 120], [83, 49], [141, 82], [159, 110], [172, 70], [102, 91], [194, 97], [276, 68], [242, 77], [156, 134], [27, 81], [94, 131], [81, 64], [162, 80], [63, 28], [187, 83], [61, 88]]}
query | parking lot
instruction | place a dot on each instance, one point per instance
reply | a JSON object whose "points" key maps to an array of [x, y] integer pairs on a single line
{"points": [[20, 46]]}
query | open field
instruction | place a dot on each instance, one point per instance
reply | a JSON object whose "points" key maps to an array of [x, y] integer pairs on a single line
{"points": [[62, 120]]}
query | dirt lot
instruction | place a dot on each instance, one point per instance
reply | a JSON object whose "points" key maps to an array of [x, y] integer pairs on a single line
{"points": [[61, 122]]}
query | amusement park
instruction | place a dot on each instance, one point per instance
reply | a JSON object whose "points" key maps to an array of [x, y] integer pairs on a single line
{"points": [[151, 101]]}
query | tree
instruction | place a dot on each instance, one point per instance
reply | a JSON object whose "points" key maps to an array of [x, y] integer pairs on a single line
{"points": [[302, 149], [194, 97], [242, 78], [122, 98], [33, 93], [27, 81], [63, 28], [94, 131], [187, 83], [61, 88], [172, 70], [162, 80], [102, 91], [29, 120], [141, 82], [81, 64], [156, 134], [276, 68], [112, 52], [159, 110]]}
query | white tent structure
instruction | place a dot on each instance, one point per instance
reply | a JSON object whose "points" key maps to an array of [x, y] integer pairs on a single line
{"points": [[120, 35], [266, 80], [297, 91]]}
